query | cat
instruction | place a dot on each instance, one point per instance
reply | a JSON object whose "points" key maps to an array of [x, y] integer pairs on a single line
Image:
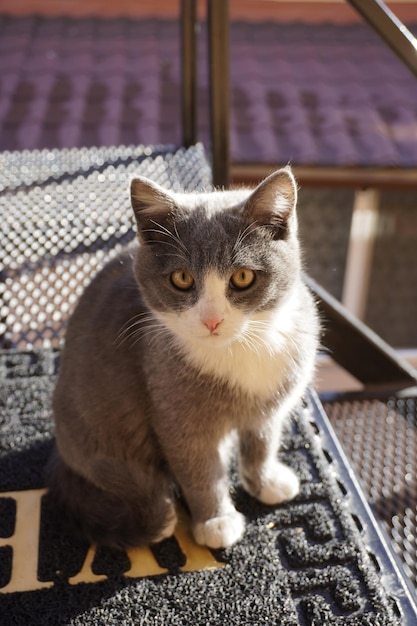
{"points": [[201, 332]]}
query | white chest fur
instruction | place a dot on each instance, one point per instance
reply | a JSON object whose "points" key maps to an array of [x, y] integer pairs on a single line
{"points": [[250, 365]]}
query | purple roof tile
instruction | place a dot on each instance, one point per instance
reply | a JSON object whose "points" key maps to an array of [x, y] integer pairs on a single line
{"points": [[310, 94]]}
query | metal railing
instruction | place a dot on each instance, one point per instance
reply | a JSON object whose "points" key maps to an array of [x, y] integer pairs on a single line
{"points": [[375, 12]]}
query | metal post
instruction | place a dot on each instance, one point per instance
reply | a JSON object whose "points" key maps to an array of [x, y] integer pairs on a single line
{"points": [[362, 237], [189, 72], [218, 22]]}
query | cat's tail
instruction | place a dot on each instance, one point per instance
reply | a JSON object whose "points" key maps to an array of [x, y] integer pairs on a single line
{"points": [[106, 519]]}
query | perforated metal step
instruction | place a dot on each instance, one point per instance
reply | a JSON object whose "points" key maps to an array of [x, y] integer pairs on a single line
{"points": [[379, 437], [65, 213]]}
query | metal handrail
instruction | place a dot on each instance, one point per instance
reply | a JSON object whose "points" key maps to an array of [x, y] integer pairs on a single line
{"points": [[375, 12], [390, 28]]}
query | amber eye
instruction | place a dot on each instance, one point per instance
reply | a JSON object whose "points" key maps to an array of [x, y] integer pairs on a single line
{"points": [[242, 278], [181, 279]]}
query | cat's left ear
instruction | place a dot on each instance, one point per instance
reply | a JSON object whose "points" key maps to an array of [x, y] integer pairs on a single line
{"points": [[273, 203], [153, 207]]}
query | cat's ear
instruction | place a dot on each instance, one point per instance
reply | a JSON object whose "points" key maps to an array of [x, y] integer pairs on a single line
{"points": [[273, 203], [152, 206]]}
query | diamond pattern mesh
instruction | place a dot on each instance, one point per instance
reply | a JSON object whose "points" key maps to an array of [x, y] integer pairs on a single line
{"points": [[64, 213]]}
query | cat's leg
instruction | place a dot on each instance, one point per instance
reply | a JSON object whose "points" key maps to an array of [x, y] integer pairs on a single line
{"points": [[220, 531], [148, 492], [262, 475], [219, 528], [112, 506], [203, 477]]}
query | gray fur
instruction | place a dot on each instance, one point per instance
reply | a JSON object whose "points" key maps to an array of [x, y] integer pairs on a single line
{"points": [[138, 415]]}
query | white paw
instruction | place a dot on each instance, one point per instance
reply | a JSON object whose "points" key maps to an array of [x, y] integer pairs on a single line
{"points": [[220, 532], [280, 486]]}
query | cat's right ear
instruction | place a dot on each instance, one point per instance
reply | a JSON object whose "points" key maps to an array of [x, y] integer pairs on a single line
{"points": [[153, 208]]}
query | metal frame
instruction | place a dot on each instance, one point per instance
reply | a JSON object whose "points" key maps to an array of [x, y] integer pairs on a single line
{"points": [[375, 12], [374, 536], [189, 71], [347, 177], [219, 90], [357, 348], [390, 28], [218, 46]]}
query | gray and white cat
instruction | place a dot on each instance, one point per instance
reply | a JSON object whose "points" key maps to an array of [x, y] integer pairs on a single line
{"points": [[201, 333]]}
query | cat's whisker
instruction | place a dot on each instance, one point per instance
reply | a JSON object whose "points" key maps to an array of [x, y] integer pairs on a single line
{"points": [[137, 319], [150, 323], [243, 234], [166, 243], [132, 322], [240, 238], [259, 324], [180, 240], [258, 327], [179, 256], [168, 233], [257, 335], [129, 333], [250, 342], [178, 252], [161, 333], [239, 254], [251, 228], [296, 346], [238, 245], [142, 333]]}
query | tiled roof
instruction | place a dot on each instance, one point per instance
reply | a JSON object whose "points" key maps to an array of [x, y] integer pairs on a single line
{"points": [[310, 94], [322, 95]]}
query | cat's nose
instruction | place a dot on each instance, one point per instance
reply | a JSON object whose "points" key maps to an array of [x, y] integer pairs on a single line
{"points": [[212, 323]]}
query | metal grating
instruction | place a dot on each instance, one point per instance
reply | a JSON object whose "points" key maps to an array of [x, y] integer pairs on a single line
{"points": [[70, 215], [392, 299], [380, 439], [324, 226]]}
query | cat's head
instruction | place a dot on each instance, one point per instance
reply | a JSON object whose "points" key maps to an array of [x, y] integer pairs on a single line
{"points": [[214, 265]]}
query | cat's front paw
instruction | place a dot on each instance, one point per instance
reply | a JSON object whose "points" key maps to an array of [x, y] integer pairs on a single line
{"points": [[220, 532], [281, 485]]}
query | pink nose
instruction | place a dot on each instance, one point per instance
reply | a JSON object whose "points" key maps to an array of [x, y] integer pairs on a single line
{"points": [[212, 323]]}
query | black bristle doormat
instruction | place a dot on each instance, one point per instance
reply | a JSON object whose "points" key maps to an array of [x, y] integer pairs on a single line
{"points": [[306, 562]]}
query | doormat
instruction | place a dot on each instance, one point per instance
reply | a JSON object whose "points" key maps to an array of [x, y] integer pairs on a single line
{"points": [[304, 562]]}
